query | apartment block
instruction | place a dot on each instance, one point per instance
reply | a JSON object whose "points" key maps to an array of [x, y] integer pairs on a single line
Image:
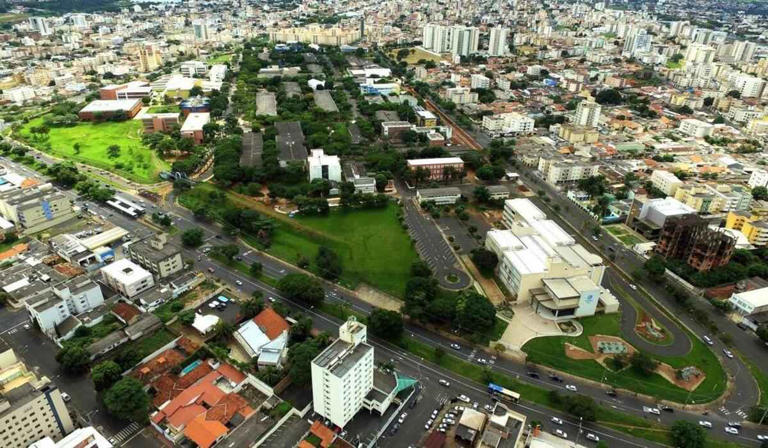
{"points": [[689, 238], [54, 306], [156, 255], [31, 408], [665, 181], [459, 95], [87, 437], [36, 208], [758, 178], [345, 380], [127, 277], [557, 169], [695, 128], [508, 123], [587, 114]]}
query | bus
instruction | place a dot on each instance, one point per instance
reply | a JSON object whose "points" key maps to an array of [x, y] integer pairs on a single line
{"points": [[503, 393]]}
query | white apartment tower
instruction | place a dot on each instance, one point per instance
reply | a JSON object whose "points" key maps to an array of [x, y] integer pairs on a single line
{"points": [[497, 45], [342, 374], [201, 29], [436, 38], [587, 114], [637, 42], [40, 25], [464, 40]]}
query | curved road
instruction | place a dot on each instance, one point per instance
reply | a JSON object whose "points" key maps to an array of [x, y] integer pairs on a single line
{"points": [[680, 344]]}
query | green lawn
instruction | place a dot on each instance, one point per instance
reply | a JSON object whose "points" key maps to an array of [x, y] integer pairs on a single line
{"points": [[135, 161], [550, 351], [625, 235], [416, 55], [146, 346], [163, 109], [220, 58], [372, 245]]}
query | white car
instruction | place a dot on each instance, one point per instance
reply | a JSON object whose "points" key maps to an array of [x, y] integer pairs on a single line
{"points": [[632, 285], [456, 346], [732, 430], [65, 396], [556, 420], [650, 410], [463, 398], [762, 437], [592, 437], [705, 424], [238, 283], [482, 361], [488, 407], [426, 426], [708, 340], [570, 387], [561, 433], [271, 299], [444, 383], [728, 353]]}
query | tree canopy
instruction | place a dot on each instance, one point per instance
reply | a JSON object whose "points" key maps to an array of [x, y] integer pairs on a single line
{"points": [[301, 287], [127, 400], [105, 374], [386, 323], [685, 434]]}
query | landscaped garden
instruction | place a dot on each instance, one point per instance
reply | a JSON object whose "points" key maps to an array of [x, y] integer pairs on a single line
{"points": [[624, 234], [90, 143], [550, 351]]}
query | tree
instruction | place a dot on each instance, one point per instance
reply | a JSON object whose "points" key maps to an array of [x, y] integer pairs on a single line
{"points": [[300, 358], [196, 91], [113, 151], [655, 267], [485, 260], [301, 287], [192, 237], [734, 94], [475, 313], [73, 358], [256, 269], [301, 330], [386, 324], [105, 374], [251, 307], [481, 194], [708, 101], [643, 363], [760, 193], [420, 269], [76, 148], [608, 96], [328, 263], [127, 400], [228, 251], [685, 434]]}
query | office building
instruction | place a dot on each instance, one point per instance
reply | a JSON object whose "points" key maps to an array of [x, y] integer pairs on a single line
{"points": [[193, 126], [695, 128], [647, 216], [217, 73], [665, 181], [750, 302], [127, 91], [36, 208], [87, 437], [322, 166], [150, 57], [100, 110], [689, 238], [156, 255], [31, 408], [587, 114], [127, 277], [497, 45], [542, 265], [440, 196], [192, 69], [345, 380], [437, 167]]}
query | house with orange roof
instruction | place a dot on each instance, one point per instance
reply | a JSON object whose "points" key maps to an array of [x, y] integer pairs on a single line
{"points": [[207, 407], [264, 337], [324, 433], [125, 312], [13, 253]]}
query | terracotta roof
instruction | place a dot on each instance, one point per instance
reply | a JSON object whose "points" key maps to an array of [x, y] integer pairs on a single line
{"points": [[29, 182], [271, 323], [125, 312], [170, 386], [325, 433], [187, 345], [204, 432], [14, 251], [305, 444], [231, 373], [161, 363]]}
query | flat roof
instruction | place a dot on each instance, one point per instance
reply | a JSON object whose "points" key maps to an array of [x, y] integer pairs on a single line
{"points": [[437, 192], [756, 297], [110, 105], [195, 121], [435, 161], [252, 148], [341, 356], [125, 271]]}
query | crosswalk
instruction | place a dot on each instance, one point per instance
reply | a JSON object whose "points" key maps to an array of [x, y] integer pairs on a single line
{"points": [[740, 412], [126, 433]]}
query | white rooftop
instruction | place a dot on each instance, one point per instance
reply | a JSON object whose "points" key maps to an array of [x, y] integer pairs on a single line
{"points": [[757, 297], [125, 271], [110, 105], [196, 121], [252, 335], [204, 323], [435, 161], [670, 206], [526, 210]]}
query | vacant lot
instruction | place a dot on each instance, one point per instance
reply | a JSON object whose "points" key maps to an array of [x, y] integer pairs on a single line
{"points": [[416, 54], [625, 234], [373, 246], [550, 351], [134, 161]]}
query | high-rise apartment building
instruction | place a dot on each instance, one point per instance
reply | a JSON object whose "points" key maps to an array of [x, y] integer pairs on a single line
{"points": [[689, 238], [31, 408], [201, 29], [497, 45], [464, 40], [587, 114], [40, 24], [636, 42], [458, 40]]}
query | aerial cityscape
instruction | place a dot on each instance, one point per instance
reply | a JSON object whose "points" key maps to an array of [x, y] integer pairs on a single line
{"points": [[358, 224]]}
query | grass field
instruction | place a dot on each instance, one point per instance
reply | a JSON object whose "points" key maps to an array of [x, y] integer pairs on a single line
{"points": [[13, 18], [624, 234], [416, 55], [220, 58], [135, 161], [372, 245], [550, 351], [164, 109]]}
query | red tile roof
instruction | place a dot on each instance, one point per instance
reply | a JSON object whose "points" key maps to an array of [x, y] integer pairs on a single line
{"points": [[204, 432], [325, 433], [271, 323], [161, 363], [125, 312]]}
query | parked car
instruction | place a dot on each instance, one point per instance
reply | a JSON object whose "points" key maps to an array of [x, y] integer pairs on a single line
{"points": [[456, 346], [708, 340], [728, 353], [762, 437], [556, 420], [211, 270], [570, 387], [705, 424], [238, 283], [592, 437], [464, 398], [736, 425], [65, 396]]}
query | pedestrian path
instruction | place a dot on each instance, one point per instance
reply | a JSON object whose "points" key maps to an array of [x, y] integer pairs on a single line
{"points": [[125, 433]]}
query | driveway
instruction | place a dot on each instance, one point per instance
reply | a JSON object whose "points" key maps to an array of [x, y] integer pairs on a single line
{"points": [[434, 249]]}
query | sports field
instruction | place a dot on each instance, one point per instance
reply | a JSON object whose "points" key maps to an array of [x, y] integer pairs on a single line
{"points": [[134, 161]]}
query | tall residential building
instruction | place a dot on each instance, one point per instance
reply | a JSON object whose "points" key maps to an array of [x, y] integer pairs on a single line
{"points": [[464, 40], [587, 114], [150, 58], [637, 42], [758, 178], [40, 24], [345, 380], [497, 45], [742, 50], [665, 181], [690, 239], [79, 20], [436, 38], [508, 123], [86, 437], [699, 54], [156, 255], [750, 86], [477, 81], [201, 29], [31, 408]]}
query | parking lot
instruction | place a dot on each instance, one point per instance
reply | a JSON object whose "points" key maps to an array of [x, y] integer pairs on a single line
{"points": [[227, 313]]}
